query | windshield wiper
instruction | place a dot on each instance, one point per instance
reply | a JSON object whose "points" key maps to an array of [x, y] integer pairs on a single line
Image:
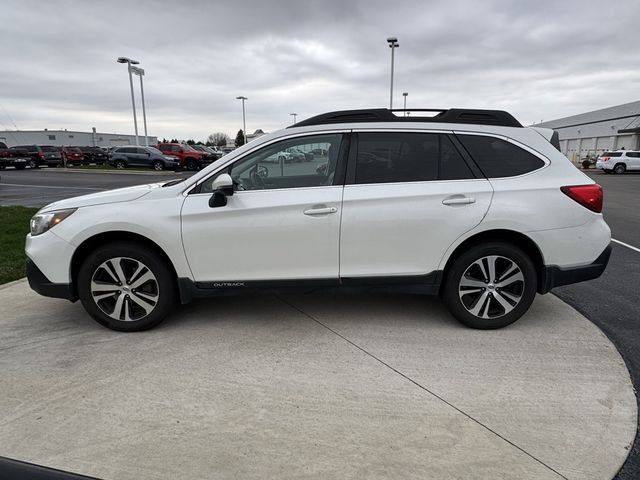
{"points": [[173, 182]]}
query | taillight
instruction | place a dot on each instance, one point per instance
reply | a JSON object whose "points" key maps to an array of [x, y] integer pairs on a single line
{"points": [[589, 196], [605, 159], [41, 154]]}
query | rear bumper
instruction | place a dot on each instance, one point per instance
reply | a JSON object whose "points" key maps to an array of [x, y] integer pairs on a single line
{"points": [[42, 285], [555, 276]]}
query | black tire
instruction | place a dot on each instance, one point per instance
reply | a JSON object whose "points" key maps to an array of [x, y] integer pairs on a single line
{"points": [[20, 166], [120, 164], [191, 164], [526, 289], [607, 171], [164, 283], [620, 168], [157, 165], [33, 164]]}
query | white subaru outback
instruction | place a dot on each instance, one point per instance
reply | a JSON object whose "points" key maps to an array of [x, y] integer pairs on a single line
{"points": [[465, 204]]}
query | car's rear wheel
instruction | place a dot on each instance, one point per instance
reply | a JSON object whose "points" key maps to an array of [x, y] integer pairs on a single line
{"points": [[120, 164], [126, 287], [620, 168], [158, 165], [490, 285], [33, 164]]}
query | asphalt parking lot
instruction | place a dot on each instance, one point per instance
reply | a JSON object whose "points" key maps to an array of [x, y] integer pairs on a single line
{"points": [[610, 302], [37, 188]]}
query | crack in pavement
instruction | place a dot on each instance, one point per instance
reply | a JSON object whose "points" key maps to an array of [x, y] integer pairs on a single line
{"points": [[422, 387]]}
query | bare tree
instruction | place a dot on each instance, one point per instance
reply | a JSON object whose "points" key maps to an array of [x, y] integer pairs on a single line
{"points": [[218, 139]]}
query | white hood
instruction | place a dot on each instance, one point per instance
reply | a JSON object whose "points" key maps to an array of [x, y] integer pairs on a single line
{"points": [[110, 196]]}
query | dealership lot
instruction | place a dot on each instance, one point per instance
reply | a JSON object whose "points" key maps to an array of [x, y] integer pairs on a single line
{"points": [[36, 188], [389, 382]]}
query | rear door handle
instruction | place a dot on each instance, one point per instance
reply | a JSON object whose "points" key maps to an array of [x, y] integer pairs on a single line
{"points": [[458, 200], [320, 210]]}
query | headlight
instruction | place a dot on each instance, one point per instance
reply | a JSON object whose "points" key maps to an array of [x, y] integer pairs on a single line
{"points": [[41, 222]]}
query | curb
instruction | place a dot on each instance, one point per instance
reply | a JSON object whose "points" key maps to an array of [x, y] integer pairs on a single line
{"points": [[14, 282]]}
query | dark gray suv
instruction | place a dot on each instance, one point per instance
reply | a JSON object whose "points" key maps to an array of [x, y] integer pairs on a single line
{"points": [[123, 157]]}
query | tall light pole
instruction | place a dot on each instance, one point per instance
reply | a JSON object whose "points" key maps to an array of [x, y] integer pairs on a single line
{"points": [[130, 62], [393, 44], [140, 72], [244, 124], [294, 117], [405, 103]]}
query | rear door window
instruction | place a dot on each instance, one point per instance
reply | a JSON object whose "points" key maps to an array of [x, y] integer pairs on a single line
{"points": [[390, 157], [498, 158]]}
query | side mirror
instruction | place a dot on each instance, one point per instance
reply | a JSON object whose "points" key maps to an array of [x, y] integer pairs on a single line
{"points": [[224, 183], [218, 199], [222, 187]]}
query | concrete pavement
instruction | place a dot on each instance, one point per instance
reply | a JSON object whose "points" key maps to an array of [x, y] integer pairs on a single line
{"points": [[314, 387]]}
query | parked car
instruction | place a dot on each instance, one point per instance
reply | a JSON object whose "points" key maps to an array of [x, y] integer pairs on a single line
{"points": [[123, 157], [226, 150], [189, 158], [13, 157], [302, 155], [94, 155], [40, 155], [211, 151], [72, 156], [619, 161], [467, 204]]}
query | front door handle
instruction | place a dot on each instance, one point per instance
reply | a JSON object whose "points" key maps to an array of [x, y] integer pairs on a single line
{"points": [[458, 200], [320, 210]]}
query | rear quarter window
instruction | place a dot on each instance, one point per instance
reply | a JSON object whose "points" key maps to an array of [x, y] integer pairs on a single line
{"points": [[498, 158]]}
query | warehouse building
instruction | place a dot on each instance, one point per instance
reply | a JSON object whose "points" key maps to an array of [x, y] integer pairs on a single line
{"points": [[591, 133], [70, 138]]}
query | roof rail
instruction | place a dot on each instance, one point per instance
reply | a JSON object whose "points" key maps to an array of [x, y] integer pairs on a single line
{"points": [[452, 115]]}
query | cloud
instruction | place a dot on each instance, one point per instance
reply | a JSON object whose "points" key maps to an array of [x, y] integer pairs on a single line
{"points": [[539, 60]]}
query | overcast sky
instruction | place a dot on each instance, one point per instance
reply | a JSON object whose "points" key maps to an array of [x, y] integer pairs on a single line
{"points": [[540, 60]]}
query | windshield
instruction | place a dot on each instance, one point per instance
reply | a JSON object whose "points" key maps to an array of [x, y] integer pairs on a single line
{"points": [[154, 150], [54, 149]]}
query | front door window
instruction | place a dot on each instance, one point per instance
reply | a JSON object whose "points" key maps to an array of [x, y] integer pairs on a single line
{"points": [[294, 163]]}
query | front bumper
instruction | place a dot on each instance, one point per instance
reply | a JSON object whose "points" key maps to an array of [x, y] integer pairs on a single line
{"points": [[555, 276], [42, 285]]}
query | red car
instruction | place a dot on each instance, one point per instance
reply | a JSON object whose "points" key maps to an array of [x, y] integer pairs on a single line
{"points": [[189, 157], [72, 156]]}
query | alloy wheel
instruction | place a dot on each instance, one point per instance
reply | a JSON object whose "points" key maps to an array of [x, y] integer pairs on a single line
{"points": [[125, 289], [491, 286]]}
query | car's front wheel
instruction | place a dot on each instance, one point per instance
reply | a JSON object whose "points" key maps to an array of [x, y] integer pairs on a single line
{"points": [[490, 285], [191, 164], [126, 287], [120, 164], [158, 165]]}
